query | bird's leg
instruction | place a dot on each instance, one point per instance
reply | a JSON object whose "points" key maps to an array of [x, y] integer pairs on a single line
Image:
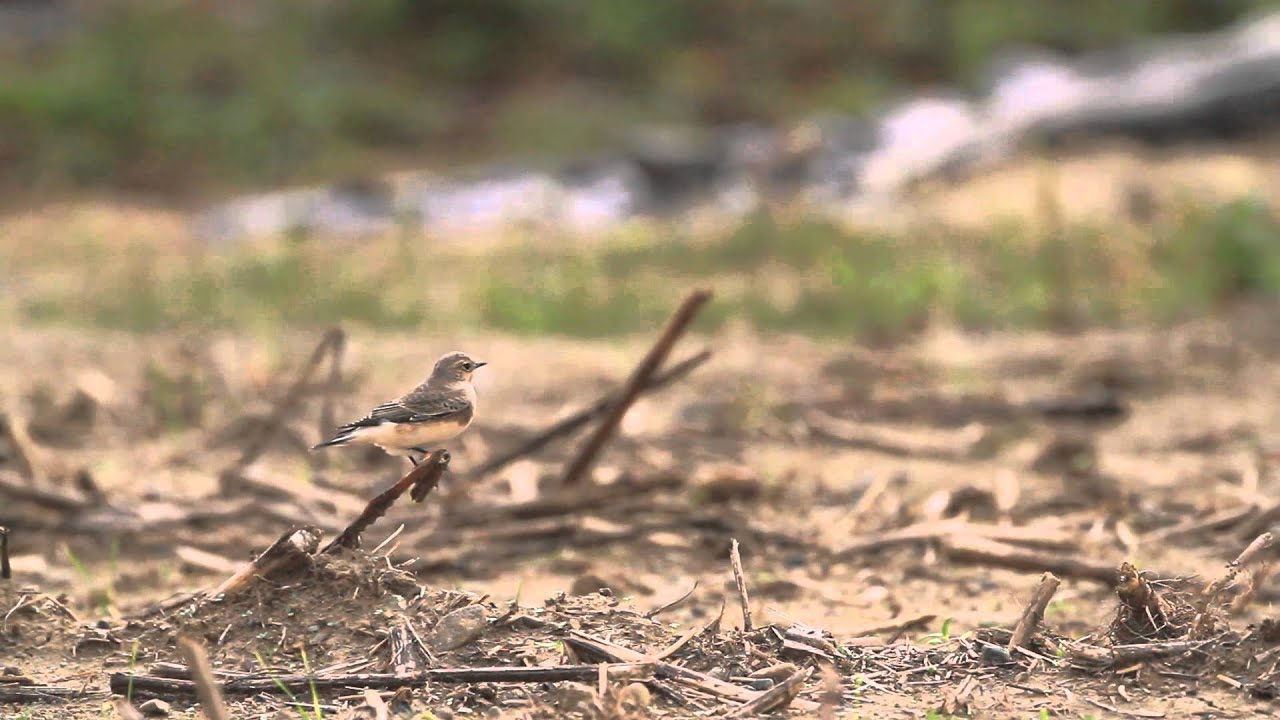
{"points": [[414, 460]]}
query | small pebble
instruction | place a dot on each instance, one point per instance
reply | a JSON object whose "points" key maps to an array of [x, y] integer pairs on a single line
{"points": [[588, 584], [634, 697], [458, 628], [154, 708], [995, 655], [572, 697]]}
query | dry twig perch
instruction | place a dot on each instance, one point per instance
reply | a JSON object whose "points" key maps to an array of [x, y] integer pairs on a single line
{"points": [[423, 478]]}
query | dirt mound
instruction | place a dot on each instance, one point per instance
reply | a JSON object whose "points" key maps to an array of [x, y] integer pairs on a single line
{"points": [[34, 625], [334, 612]]}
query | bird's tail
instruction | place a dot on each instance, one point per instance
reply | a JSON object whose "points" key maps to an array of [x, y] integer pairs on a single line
{"points": [[340, 439]]}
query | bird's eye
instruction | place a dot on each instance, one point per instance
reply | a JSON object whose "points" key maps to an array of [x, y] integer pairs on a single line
{"points": [[467, 366]]}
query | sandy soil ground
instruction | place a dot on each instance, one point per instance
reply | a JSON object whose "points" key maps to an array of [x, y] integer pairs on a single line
{"points": [[894, 508]]}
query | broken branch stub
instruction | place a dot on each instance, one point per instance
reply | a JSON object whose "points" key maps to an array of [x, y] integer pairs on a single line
{"points": [[6, 572], [289, 552], [1034, 612]]}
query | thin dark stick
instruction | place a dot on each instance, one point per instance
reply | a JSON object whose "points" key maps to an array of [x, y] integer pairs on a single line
{"points": [[668, 605], [288, 402], [6, 572], [10, 693], [569, 425], [423, 478], [386, 681], [581, 464]]}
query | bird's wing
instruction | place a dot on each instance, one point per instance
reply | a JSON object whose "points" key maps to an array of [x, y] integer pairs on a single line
{"points": [[415, 407]]}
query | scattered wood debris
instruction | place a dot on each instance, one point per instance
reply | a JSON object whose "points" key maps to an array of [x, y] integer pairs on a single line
{"points": [[359, 626]]}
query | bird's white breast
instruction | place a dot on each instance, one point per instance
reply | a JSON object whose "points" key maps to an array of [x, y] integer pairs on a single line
{"points": [[407, 435]]}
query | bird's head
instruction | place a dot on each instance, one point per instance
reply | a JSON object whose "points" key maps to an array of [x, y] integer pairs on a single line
{"points": [[455, 367]]}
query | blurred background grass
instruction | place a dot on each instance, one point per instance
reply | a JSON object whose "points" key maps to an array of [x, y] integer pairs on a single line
{"points": [[173, 104], [197, 97], [802, 275]]}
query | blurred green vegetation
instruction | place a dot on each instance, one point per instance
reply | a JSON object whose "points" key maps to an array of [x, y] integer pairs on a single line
{"points": [[186, 98], [801, 275]]}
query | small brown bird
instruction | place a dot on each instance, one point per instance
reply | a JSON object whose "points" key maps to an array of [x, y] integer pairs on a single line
{"points": [[437, 410]]}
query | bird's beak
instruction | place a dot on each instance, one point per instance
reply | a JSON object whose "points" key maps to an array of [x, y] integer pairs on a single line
{"points": [[479, 364]]}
